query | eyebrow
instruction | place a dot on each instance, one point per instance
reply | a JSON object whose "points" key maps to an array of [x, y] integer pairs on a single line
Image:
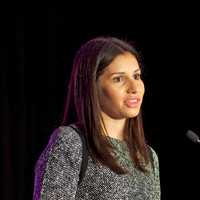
{"points": [[124, 72]]}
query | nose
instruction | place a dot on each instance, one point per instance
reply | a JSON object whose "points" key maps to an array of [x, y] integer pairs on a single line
{"points": [[132, 87]]}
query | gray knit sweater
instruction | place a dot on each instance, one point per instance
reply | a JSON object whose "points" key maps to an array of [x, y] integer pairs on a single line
{"points": [[57, 173]]}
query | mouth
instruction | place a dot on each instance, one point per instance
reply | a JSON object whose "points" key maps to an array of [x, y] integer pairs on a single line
{"points": [[132, 103]]}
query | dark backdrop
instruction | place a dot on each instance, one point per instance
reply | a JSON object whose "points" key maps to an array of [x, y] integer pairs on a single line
{"points": [[37, 49]]}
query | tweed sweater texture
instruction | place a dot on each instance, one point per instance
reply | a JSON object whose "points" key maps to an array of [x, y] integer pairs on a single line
{"points": [[58, 167]]}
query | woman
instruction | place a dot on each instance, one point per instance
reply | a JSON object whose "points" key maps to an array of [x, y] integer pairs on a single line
{"points": [[103, 108]]}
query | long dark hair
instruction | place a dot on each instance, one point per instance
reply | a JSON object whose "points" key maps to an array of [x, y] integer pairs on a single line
{"points": [[82, 103]]}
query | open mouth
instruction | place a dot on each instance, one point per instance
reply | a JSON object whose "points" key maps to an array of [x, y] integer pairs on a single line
{"points": [[132, 103]]}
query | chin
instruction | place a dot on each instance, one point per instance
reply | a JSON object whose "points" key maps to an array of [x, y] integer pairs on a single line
{"points": [[132, 114]]}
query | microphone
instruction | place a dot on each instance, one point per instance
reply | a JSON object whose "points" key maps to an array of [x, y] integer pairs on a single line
{"points": [[193, 136]]}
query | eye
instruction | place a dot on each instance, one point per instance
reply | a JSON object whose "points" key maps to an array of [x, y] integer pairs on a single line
{"points": [[118, 79], [137, 76]]}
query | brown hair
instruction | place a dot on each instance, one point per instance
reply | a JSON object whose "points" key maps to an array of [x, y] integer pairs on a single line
{"points": [[82, 103]]}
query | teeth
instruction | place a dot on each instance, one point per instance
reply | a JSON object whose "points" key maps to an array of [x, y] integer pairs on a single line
{"points": [[133, 100]]}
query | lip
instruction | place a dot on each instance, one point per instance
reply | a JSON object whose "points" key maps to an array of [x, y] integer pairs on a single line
{"points": [[132, 102]]}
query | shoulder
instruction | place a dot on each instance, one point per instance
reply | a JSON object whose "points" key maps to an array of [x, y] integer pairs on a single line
{"points": [[153, 154], [154, 159], [66, 136], [63, 140], [62, 156]]}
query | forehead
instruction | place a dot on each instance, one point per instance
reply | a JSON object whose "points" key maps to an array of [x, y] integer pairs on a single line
{"points": [[123, 62]]}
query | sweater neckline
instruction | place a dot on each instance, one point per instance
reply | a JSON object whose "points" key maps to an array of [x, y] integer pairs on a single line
{"points": [[116, 140]]}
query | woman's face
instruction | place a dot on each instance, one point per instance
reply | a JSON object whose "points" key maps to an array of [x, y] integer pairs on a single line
{"points": [[120, 88]]}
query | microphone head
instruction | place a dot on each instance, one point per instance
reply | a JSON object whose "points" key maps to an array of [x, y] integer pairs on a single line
{"points": [[192, 136]]}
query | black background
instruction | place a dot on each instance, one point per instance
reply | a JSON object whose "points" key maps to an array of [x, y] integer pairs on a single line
{"points": [[37, 49]]}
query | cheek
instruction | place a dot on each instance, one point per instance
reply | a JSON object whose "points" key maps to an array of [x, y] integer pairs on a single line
{"points": [[141, 88], [110, 95]]}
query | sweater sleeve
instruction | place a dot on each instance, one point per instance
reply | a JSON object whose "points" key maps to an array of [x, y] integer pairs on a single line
{"points": [[156, 171], [57, 170]]}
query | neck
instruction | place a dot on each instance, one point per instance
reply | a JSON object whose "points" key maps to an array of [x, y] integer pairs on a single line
{"points": [[115, 127]]}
